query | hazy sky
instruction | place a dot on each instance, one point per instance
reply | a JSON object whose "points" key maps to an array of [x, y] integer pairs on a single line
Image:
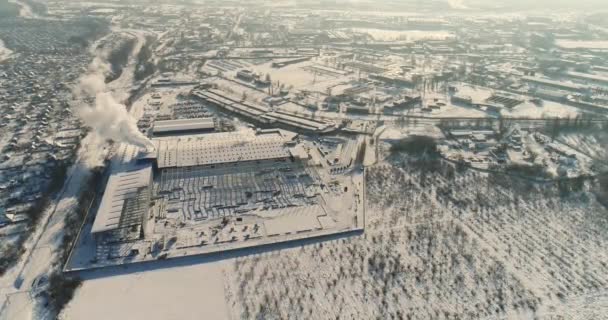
{"points": [[513, 4], [535, 4], [546, 3]]}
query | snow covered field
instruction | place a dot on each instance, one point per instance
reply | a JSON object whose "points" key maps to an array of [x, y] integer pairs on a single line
{"points": [[302, 75], [438, 244], [591, 144], [548, 109], [5, 53], [493, 249], [190, 292]]}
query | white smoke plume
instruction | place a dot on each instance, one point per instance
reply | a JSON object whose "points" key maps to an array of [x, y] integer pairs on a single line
{"points": [[107, 117]]}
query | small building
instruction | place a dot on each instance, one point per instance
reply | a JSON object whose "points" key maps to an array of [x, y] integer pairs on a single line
{"points": [[461, 134], [262, 82], [461, 99], [478, 137], [357, 108], [245, 75], [407, 102]]}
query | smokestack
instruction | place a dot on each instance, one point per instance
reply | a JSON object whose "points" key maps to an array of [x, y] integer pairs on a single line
{"points": [[105, 115]]}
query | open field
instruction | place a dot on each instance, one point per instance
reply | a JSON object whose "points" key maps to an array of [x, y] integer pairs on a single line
{"points": [[494, 249], [153, 295]]}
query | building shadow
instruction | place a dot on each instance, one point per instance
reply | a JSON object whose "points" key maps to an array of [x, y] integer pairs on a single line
{"points": [[186, 261]]}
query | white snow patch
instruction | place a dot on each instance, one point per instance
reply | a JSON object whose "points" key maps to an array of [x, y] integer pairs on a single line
{"points": [[192, 292], [5, 53]]}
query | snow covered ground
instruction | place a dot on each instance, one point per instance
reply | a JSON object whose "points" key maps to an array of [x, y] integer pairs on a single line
{"points": [[478, 94], [440, 245], [5, 53], [580, 44], [304, 75], [591, 144], [189, 292], [549, 109], [409, 35]]}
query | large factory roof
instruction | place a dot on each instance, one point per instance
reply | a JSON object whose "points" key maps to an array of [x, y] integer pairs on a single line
{"points": [[121, 187], [181, 125], [216, 148]]}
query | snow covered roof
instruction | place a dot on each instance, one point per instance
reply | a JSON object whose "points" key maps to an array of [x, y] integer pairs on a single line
{"points": [[170, 126], [121, 187], [461, 133], [218, 148]]}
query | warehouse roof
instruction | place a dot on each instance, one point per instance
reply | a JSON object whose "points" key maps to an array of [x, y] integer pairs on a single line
{"points": [[121, 187], [169, 126], [216, 148]]}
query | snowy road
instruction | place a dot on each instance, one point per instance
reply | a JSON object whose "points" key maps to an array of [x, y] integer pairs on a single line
{"points": [[40, 250]]}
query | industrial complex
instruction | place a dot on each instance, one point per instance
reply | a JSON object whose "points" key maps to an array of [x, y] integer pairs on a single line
{"points": [[201, 193], [303, 159]]}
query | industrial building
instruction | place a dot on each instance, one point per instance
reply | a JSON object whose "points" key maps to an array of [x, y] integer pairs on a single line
{"points": [[245, 75], [183, 126], [222, 148], [209, 192], [126, 201], [263, 115], [124, 205]]}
